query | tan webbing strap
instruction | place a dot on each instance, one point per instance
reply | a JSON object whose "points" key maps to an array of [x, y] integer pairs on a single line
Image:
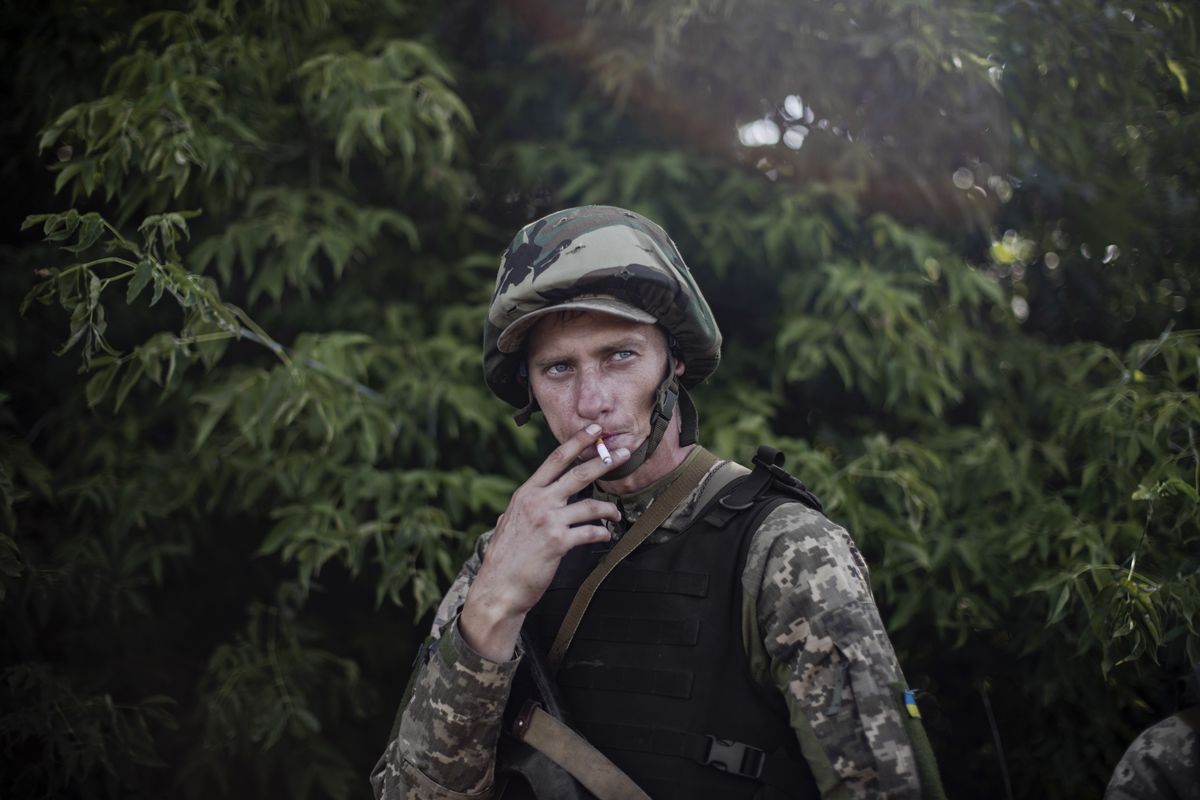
{"points": [[562, 745], [646, 524]]}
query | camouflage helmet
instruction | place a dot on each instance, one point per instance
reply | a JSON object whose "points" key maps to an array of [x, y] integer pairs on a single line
{"points": [[594, 258]]}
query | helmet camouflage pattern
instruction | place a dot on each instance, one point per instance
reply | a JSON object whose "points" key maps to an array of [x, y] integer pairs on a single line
{"points": [[594, 258]]}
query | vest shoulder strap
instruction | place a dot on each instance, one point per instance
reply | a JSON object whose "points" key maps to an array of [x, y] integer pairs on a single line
{"points": [[767, 478]]}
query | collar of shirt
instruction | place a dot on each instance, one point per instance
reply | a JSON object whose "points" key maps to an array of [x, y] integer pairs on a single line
{"points": [[634, 504]]}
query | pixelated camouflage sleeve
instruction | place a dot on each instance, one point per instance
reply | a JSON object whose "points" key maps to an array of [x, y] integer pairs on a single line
{"points": [[813, 631], [445, 743], [1162, 762]]}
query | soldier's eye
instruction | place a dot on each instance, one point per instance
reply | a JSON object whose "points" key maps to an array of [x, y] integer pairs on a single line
{"points": [[621, 355], [556, 369]]}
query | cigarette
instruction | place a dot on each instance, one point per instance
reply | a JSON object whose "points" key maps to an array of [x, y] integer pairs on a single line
{"points": [[605, 456]]}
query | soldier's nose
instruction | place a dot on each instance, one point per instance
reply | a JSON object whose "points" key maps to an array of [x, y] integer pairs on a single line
{"points": [[595, 396]]}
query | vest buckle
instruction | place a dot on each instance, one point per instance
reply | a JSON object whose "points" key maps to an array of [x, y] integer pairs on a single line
{"points": [[738, 758]]}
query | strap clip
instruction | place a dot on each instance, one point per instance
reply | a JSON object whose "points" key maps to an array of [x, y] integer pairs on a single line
{"points": [[738, 758], [521, 723]]}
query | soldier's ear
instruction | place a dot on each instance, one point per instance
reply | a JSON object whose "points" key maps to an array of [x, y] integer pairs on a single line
{"points": [[680, 367]]}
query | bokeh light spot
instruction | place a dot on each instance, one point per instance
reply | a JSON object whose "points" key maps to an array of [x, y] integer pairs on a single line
{"points": [[760, 133], [1020, 308], [793, 106], [794, 137]]}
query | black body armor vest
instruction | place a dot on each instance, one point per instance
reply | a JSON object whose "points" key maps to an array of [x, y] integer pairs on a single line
{"points": [[657, 677]]}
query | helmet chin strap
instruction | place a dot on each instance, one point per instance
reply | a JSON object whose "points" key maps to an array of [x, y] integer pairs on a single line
{"points": [[529, 409], [670, 394]]}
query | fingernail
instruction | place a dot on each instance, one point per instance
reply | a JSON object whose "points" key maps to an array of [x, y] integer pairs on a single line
{"points": [[593, 429], [622, 452]]}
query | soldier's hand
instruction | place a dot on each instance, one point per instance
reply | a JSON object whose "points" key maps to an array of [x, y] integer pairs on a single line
{"points": [[531, 537]]}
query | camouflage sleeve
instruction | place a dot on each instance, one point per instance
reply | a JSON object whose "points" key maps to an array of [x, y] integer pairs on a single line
{"points": [[1163, 762], [813, 631], [444, 746]]}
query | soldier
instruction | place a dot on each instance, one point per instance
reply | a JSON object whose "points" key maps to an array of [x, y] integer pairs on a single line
{"points": [[735, 652]]}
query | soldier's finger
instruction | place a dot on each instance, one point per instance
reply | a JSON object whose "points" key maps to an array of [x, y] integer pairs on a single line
{"points": [[589, 510], [586, 534], [561, 457], [584, 474]]}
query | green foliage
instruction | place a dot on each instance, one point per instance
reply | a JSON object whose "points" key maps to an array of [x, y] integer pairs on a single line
{"points": [[271, 677], [955, 285], [83, 736]]}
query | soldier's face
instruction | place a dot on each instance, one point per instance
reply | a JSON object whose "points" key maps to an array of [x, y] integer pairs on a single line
{"points": [[589, 367]]}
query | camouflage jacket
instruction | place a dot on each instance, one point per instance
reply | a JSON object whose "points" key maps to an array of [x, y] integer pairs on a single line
{"points": [[1162, 763], [810, 628]]}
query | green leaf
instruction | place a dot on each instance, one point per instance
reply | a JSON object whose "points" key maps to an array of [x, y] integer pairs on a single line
{"points": [[1180, 74], [97, 385], [141, 277], [128, 381], [910, 603], [1060, 605]]}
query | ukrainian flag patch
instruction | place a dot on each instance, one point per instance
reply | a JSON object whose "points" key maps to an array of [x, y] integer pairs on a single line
{"points": [[910, 703]]}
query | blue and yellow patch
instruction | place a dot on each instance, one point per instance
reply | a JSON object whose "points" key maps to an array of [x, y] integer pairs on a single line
{"points": [[910, 703]]}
